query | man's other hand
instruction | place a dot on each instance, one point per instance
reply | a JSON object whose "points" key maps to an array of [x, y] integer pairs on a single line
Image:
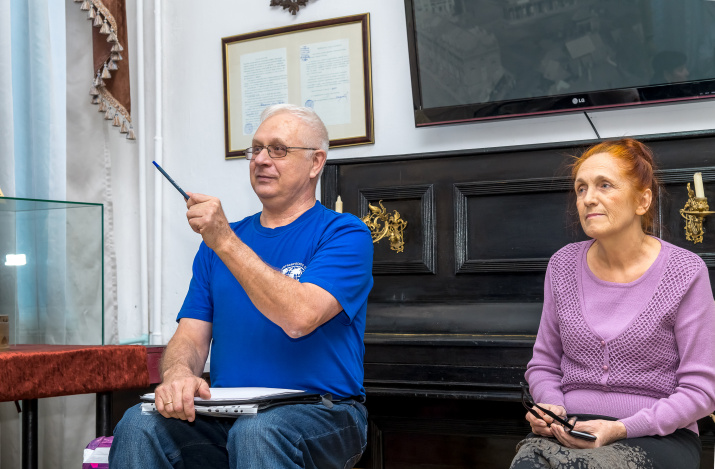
{"points": [[174, 398]]}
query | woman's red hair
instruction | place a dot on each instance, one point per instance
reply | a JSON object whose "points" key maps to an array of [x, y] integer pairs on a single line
{"points": [[636, 161]]}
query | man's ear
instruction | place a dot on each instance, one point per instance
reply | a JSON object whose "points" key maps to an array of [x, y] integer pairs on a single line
{"points": [[319, 157]]}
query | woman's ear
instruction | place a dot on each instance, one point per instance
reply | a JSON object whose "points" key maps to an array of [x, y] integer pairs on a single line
{"points": [[644, 201]]}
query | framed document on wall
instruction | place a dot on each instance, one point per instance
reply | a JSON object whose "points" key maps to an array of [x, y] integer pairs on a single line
{"points": [[324, 65]]}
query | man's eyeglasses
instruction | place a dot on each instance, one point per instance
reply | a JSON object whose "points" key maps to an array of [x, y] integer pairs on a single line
{"points": [[568, 422], [274, 151]]}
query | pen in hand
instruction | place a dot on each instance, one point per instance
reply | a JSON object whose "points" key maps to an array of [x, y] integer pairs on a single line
{"points": [[171, 180]]}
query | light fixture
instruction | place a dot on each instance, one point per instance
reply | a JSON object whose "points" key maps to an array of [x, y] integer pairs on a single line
{"points": [[695, 211], [15, 259]]}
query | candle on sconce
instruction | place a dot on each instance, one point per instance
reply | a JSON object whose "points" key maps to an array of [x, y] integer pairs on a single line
{"points": [[699, 191], [339, 205]]}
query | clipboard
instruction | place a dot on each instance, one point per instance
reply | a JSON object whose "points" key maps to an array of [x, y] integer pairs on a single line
{"points": [[234, 402]]}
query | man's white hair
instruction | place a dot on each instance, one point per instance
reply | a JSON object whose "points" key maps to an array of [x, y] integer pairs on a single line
{"points": [[307, 115]]}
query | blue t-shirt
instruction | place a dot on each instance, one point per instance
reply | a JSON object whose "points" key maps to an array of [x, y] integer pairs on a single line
{"points": [[322, 247]]}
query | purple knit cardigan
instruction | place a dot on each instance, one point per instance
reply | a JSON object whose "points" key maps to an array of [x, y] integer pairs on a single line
{"points": [[646, 358]]}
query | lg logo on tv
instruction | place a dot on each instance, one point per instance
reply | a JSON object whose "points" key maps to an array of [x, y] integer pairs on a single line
{"points": [[578, 100]]}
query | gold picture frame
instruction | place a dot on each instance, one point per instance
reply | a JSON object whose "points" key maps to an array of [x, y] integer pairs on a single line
{"points": [[323, 64]]}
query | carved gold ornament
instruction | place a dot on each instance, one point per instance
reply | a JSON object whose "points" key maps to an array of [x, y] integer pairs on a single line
{"points": [[383, 225], [695, 210], [291, 5]]}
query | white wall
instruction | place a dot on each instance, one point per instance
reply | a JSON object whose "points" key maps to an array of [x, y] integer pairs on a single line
{"points": [[193, 114]]}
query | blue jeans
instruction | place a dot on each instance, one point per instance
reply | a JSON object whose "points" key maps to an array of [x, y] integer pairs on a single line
{"points": [[289, 436]]}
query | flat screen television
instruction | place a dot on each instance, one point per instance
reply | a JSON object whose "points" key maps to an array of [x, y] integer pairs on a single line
{"points": [[488, 59]]}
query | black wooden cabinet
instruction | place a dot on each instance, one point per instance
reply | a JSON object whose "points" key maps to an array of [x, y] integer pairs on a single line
{"points": [[451, 320]]}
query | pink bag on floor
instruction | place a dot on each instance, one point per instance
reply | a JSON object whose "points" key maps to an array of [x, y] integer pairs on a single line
{"points": [[96, 454]]}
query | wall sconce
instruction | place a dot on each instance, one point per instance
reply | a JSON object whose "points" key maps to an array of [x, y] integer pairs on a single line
{"points": [[695, 210], [383, 225]]}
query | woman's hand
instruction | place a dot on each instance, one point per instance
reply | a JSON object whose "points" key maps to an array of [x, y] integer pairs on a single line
{"points": [[542, 426], [605, 431]]}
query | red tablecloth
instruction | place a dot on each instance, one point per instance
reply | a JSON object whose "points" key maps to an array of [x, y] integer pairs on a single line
{"points": [[37, 371]]}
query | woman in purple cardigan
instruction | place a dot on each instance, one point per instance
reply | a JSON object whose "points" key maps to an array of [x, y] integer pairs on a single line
{"points": [[626, 341]]}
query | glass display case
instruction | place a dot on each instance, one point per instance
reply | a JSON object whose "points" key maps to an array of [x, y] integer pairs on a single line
{"points": [[52, 271]]}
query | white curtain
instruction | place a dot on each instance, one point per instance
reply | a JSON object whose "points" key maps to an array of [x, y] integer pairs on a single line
{"points": [[32, 99], [33, 165], [55, 145]]}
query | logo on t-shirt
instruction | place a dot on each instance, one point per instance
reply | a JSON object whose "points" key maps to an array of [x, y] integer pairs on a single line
{"points": [[294, 270]]}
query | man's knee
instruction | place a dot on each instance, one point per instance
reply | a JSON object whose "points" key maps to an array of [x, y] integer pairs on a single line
{"points": [[163, 441], [134, 426], [131, 439]]}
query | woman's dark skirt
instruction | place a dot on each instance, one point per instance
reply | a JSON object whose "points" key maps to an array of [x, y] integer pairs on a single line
{"points": [[680, 450]]}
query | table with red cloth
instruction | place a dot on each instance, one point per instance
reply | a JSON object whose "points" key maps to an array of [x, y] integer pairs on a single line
{"points": [[31, 372]]}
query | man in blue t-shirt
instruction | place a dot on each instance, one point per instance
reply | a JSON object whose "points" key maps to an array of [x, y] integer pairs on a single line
{"points": [[280, 300]]}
